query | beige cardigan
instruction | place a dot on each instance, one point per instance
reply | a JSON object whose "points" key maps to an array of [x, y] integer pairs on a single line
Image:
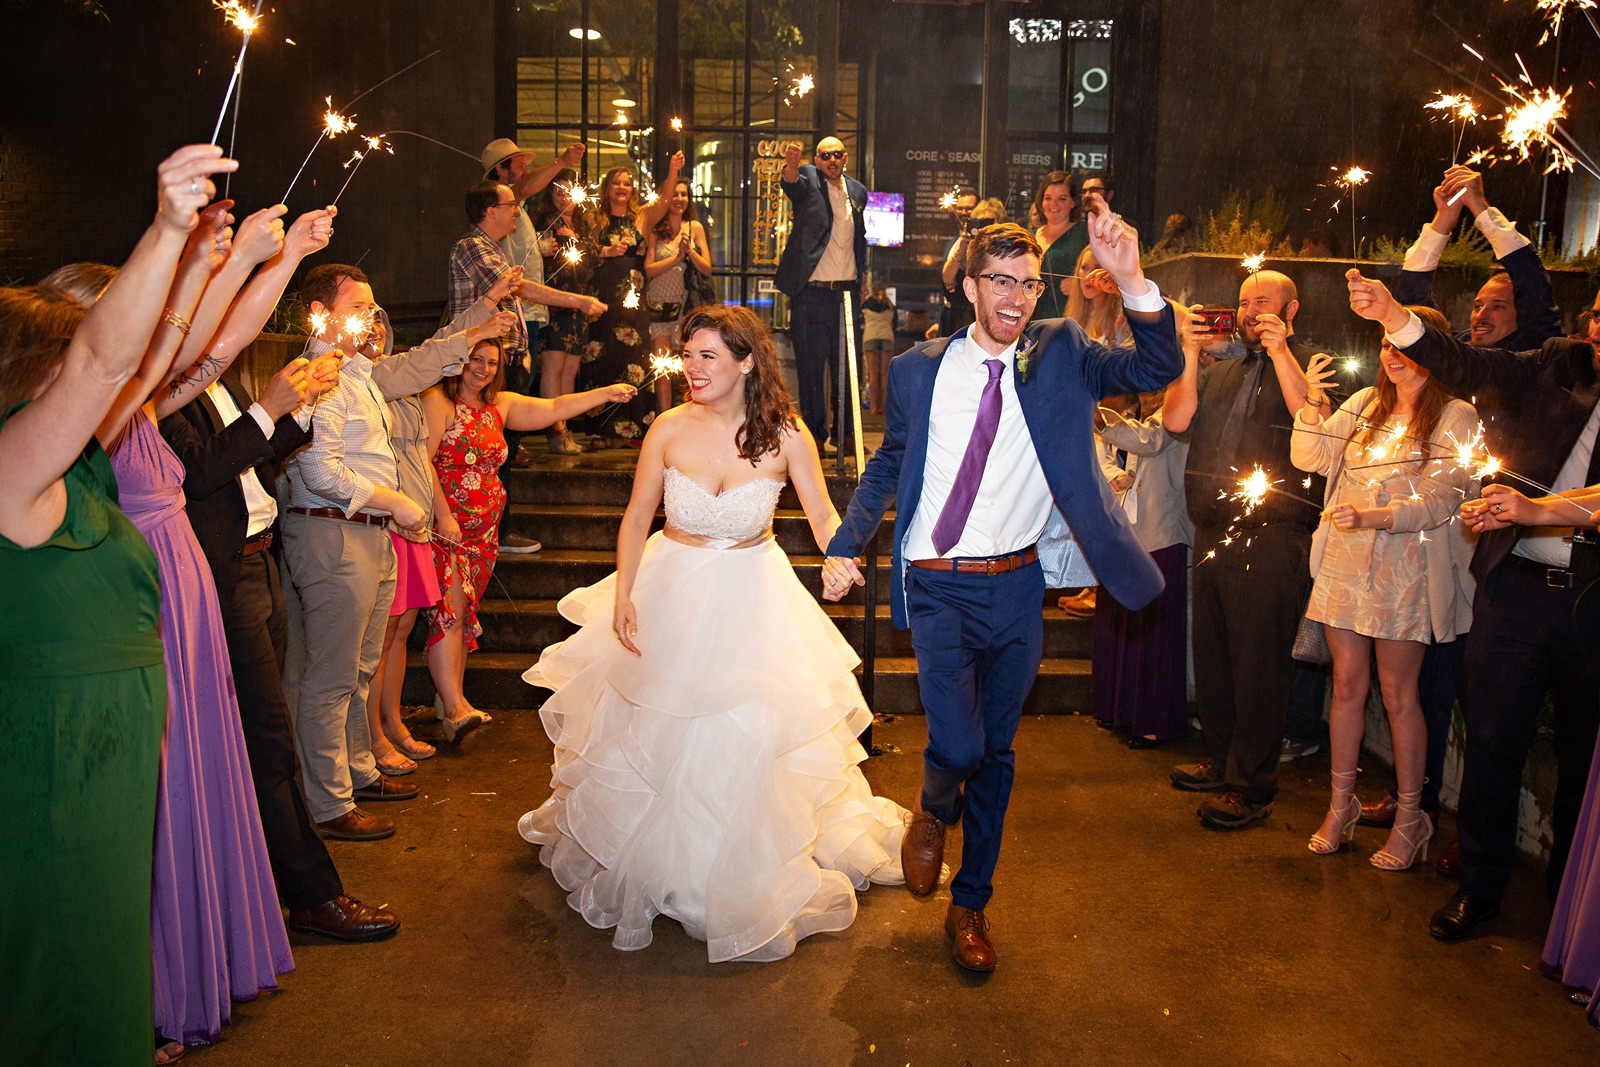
{"points": [[1449, 587]]}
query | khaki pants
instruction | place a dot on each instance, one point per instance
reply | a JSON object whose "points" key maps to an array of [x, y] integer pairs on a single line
{"points": [[344, 573]]}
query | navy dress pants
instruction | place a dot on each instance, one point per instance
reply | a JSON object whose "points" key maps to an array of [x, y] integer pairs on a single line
{"points": [[977, 639]]}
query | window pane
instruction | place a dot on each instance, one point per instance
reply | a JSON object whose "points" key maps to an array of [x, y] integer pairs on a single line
{"points": [[1034, 100], [1091, 75]]}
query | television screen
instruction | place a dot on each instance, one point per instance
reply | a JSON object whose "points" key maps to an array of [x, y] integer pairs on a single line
{"points": [[885, 217]]}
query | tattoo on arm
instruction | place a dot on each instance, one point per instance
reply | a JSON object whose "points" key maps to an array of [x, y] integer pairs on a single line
{"points": [[200, 374]]}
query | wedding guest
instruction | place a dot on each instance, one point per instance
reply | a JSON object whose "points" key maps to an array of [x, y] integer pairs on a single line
{"points": [[1531, 627], [467, 415], [1063, 234], [617, 223], [416, 582], [673, 247], [564, 341], [877, 340], [1390, 569], [958, 312], [83, 688], [1140, 664]]}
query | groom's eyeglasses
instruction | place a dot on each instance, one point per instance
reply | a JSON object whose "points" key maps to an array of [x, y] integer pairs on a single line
{"points": [[1003, 284]]}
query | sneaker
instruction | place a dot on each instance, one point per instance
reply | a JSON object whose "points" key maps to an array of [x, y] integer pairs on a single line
{"points": [[516, 544], [1203, 777], [1232, 811], [1293, 750]]}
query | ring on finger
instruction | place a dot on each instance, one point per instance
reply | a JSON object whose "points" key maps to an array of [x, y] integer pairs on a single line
{"points": [[194, 188]]}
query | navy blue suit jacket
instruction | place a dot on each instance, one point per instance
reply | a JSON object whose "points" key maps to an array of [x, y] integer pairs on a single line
{"points": [[1068, 375], [813, 225]]}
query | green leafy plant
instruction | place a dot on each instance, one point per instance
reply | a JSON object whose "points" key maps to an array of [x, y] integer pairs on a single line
{"points": [[1243, 226]]}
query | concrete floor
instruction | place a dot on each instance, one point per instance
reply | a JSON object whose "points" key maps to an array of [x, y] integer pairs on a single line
{"points": [[1126, 933]]}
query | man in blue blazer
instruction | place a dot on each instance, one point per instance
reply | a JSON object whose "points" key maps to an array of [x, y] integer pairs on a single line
{"points": [[826, 254], [988, 457]]}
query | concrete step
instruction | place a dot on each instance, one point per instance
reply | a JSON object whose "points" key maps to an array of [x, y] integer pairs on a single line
{"points": [[529, 625], [494, 680]]}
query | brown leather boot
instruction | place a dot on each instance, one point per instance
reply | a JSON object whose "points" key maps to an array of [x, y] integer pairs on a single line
{"points": [[972, 950], [922, 852]]}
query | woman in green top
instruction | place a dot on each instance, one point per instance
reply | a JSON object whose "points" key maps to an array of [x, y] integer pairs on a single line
{"points": [[1062, 234], [83, 692]]}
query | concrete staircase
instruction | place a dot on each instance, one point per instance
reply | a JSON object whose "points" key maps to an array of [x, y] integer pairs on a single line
{"points": [[573, 505]]}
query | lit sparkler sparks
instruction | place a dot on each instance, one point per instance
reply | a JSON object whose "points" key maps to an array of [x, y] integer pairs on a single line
{"points": [[573, 254], [948, 201], [1348, 181], [375, 143], [1458, 108], [319, 323], [799, 87], [1555, 10], [246, 22], [677, 125], [1254, 262], [631, 301], [333, 124], [1531, 124], [1352, 366], [1253, 489], [621, 119]]}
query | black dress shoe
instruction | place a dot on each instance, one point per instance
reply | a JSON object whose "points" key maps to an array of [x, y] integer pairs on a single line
{"points": [[346, 919], [1140, 741], [1457, 919]]}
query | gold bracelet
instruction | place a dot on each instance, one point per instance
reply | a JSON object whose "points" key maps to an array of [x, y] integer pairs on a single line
{"points": [[168, 315]]}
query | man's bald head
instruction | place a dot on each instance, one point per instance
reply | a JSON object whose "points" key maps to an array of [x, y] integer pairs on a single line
{"points": [[831, 158], [1266, 292]]}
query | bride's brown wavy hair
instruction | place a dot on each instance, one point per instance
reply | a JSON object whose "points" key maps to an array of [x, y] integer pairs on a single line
{"points": [[768, 411]]}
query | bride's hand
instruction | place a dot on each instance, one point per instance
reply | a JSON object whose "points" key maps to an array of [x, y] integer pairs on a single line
{"points": [[625, 622]]}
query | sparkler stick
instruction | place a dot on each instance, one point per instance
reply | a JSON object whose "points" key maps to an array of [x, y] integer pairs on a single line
{"points": [[430, 140], [470, 551], [246, 24], [392, 77], [333, 124], [358, 158]]}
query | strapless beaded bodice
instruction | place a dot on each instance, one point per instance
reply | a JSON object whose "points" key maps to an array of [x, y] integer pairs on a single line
{"points": [[736, 515]]}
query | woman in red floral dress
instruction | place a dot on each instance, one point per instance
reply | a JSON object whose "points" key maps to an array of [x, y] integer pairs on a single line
{"points": [[467, 417]]}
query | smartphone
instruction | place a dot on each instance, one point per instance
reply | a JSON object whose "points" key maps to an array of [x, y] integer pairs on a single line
{"points": [[1218, 320]]}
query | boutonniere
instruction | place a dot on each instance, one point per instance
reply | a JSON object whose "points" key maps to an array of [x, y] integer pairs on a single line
{"points": [[1024, 358]]}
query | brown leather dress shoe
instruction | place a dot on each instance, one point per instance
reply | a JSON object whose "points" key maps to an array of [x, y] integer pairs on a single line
{"points": [[357, 825], [346, 919], [973, 950], [1380, 812], [1449, 861], [922, 852], [385, 788]]}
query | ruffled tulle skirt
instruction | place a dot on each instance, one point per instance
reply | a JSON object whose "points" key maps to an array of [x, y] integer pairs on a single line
{"points": [[712, 779]]}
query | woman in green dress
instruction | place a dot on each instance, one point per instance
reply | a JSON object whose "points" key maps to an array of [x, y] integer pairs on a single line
{"points": [[1063, 234], [82, 687]]}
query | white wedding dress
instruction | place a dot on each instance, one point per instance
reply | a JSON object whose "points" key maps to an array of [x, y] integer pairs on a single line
{"points": [[712, 779]]}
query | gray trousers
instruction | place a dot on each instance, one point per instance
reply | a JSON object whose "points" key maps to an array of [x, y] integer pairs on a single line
{"points": [[344, 574]]}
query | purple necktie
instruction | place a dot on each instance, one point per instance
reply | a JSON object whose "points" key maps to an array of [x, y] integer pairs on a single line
{"points": [[953, 519]]}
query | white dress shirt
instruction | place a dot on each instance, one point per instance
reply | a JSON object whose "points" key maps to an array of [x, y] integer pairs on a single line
{"points": [[262, 507], [1501, 232], [1013, 502], [838, 262], [1551, 545]]}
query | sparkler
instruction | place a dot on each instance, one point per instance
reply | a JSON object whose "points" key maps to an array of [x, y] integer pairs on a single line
{"points": [[1348, 181], [948, 201], [468, 550], [246, 23], [1459, 108], [358, 157], [799, 87], [631, 301], [1554, 11], [1254, 262], [430, 140], [333, 124], [662, 365], [621, 119], [1530, 125]]}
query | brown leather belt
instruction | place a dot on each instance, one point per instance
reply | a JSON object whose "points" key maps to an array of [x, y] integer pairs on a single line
{"points": [[848, 283], [259, 543], [994, 565], [334, 513]]}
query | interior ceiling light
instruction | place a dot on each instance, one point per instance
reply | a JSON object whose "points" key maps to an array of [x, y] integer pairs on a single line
{"points": [[579, 33], [623, 101]]}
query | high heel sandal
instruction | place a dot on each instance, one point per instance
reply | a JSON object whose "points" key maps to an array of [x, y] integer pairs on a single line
{"points": [[1409, 820], [1343, 815]]}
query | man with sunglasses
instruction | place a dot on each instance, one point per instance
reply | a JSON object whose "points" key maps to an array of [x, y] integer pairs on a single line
{"points": [[826, 254], [989, 459]]}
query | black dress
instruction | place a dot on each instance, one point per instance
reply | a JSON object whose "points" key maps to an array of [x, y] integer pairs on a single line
{"points": [[619, 341]]}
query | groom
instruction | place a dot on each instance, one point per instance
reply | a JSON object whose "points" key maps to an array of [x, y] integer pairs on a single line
{"points": [[989, 459]]}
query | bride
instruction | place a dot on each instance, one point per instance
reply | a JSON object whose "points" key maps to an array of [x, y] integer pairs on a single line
{"points": [[705, 716]]}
